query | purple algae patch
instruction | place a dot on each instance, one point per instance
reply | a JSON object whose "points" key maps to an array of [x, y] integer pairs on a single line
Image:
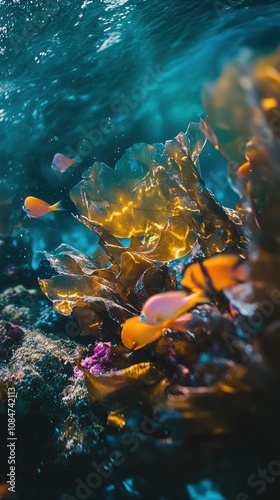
{"points": [[10, 333], [99, 362]]}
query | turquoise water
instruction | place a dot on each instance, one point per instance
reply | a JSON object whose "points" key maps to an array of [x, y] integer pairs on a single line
{"points": [[93, 77]]}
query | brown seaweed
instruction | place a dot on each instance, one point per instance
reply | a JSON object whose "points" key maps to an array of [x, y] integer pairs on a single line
{"points": [[102, 299], [117, 386]]}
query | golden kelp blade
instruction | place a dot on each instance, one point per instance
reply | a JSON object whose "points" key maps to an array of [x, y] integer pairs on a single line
{"points": [[116, 419], [140, 277], [67, 260], [154, 193], [267, 74], [244, 103], [228, 110], [175, 241], [127, 201], [102, 299], [210, 409], [117, 385], [65, 290]]}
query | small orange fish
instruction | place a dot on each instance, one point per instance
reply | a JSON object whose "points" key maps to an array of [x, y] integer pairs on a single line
{"points": [[245, 169], [166, 306], [136, 334], [138, 331], [34, 207], [60, 162], [216, 273], [255, 158], [269, 103]]}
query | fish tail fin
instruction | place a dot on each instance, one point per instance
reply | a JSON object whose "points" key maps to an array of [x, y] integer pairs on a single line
{"points": [[78, 159], [57, 206]]}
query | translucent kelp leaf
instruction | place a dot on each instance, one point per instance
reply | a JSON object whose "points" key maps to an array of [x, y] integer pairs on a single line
{"points": [[165, 204], [176, 239], [127, 200], [228, 109], [132, 200], [66, 290], [194, 141], [66, 260], [212, 409], [244, 103], [267, 76], [139, 278], [101, 317], [93, 300], [103, 301], [215, 229], [121, 384]]}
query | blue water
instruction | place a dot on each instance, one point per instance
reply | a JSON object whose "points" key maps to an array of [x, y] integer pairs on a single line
{"points": [[92, 77]]}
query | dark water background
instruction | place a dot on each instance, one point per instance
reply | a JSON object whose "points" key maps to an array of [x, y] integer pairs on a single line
{"points": [[92, 77]]}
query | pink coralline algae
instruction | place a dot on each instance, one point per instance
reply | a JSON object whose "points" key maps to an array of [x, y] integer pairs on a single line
{"points": [[10, 333], [99, 362]]}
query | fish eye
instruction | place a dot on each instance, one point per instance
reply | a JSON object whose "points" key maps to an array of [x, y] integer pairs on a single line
{"points": [[143, 317]]}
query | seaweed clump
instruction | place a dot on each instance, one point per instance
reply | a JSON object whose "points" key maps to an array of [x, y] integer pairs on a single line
{"points": [[160, 189], [218, 366]]}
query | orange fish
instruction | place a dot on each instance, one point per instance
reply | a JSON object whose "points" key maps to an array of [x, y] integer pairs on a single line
{"points": [[166, 306], [269, 103], [34, 207], [245, 169], [255, 158], [160, 314], [136, 335], [216, 273], [60, 162]]}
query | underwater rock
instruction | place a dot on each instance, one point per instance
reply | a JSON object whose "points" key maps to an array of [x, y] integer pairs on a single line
{"points": [[51, 404], [27, 308]]}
